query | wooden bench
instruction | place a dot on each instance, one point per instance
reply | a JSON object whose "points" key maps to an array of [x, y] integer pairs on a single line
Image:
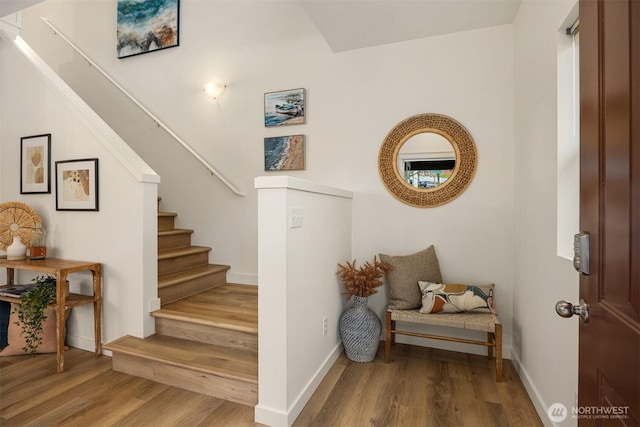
{"points": [[484, 322]]}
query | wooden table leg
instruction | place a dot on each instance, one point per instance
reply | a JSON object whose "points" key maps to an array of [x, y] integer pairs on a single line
{"points": [[97, 309], [61, 298]]}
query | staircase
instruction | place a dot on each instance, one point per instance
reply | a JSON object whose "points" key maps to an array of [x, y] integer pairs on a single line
{"points": [[206, 336]]}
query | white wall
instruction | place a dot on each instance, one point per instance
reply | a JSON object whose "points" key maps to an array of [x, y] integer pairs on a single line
{"points": [[298, 289], [354, 99], [502, 229], [545, 346], [119, 235]]}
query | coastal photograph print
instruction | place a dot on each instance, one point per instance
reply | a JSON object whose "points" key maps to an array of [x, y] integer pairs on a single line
{"points": [[284, 153], [147, 25], [35, 164], [77, 185], [286, 107]]}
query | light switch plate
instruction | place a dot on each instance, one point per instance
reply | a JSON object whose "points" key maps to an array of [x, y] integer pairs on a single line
{"points": [[295, 218]]}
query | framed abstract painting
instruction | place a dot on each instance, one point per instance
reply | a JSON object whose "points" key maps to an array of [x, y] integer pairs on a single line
{"points": [[35, 164], [77, 185], [147, 25]]}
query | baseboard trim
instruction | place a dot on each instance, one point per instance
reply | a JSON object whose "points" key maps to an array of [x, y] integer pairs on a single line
{"points": [[83, 343], [270, 416], [275, 418], [534, 395], [242, 278], [312, 385]]}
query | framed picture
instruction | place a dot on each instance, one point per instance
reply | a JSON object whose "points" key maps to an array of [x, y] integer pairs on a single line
{"points": [[147, 25], [284, 153], [35, 164], [286, 107], [77, 185]]}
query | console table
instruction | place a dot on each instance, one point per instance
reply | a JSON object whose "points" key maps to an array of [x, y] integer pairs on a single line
{"points": [[65, 300]]}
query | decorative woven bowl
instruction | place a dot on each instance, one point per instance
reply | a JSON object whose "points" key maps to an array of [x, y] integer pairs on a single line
{"points": [[16, 219]]}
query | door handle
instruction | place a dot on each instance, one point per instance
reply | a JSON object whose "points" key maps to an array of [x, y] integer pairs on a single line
{"points": [[566, 309]]}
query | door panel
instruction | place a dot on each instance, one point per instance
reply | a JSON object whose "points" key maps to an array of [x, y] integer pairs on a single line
{"points": [[609, 371]]}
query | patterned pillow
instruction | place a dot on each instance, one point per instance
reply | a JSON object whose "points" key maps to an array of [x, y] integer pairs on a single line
{"points": [[439, 297], [404, 274]]}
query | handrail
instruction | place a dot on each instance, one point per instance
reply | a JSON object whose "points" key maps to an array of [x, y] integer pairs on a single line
{"points": [[158, 122]]}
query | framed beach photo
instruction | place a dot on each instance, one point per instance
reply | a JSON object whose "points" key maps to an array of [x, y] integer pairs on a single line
{"points": [[286, 107], [284, 153], [77, 185], [147, 25], [35, 164]]}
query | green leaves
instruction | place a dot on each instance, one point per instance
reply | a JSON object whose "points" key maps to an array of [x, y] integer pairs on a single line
{"points": [[31, 311]]}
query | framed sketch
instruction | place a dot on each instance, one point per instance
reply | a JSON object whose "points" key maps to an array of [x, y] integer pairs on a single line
{"points": [[147, 25], [35, 164], [284, 153], [77, 185], [286, 107]]}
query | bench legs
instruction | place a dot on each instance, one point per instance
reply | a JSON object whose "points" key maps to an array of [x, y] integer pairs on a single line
{"points": [[498, 352], [494, 339], [389, 337]]}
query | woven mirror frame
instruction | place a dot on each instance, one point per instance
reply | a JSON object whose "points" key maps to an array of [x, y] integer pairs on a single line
{"points": [[464, 170]]}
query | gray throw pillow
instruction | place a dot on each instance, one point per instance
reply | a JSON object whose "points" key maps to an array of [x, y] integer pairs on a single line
{"points": [[406, 271]]}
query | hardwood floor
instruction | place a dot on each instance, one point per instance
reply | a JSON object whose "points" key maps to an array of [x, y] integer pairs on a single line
{"points": [[421, 387]]}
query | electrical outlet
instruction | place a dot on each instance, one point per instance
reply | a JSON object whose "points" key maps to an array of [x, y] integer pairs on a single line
{"points": [[325, 326]]}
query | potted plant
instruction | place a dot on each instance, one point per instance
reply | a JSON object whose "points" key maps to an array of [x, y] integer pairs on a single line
{"points": [[32, 311], [359, 326]]}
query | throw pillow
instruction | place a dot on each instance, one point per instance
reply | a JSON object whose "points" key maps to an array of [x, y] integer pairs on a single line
{"points": [[16, 341], [404, 275], [447, 298]]}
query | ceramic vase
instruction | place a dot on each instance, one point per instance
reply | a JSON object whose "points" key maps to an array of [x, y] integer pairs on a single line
{"points": [[360, 331], [16, 250]]}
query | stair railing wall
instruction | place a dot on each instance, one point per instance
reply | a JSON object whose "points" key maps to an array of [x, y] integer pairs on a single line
{"points": [[158, 122], [298, 290]]}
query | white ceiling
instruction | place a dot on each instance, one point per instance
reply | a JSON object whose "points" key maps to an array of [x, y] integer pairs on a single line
{"points": [[354, 24], [7, 7]]}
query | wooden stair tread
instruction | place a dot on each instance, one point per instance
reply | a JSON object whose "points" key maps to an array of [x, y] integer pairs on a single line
{"points": [[175, 231], [229, 306], [183, 251], [205, 358], [167, 214], [192, 273]]}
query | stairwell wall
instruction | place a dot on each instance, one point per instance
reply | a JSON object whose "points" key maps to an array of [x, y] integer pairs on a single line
{"points": [[119, 235]]}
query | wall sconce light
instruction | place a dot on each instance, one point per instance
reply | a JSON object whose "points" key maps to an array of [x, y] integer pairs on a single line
{"points": [[214, 90]]}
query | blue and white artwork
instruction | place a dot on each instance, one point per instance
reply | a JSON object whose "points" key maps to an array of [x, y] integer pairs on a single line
{"points": [[286, 107], [284, 153], [146, 25]]}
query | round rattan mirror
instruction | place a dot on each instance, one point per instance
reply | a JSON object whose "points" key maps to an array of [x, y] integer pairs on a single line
{"points": [[458, 179]]}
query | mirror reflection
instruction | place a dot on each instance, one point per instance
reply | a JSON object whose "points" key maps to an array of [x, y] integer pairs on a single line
{"points": [[426, 160]]}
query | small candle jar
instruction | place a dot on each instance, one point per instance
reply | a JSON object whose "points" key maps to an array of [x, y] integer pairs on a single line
{"points": [[38, 242]]}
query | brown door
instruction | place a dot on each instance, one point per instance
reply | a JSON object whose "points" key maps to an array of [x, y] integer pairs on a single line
{"points": [[609, 371]]}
